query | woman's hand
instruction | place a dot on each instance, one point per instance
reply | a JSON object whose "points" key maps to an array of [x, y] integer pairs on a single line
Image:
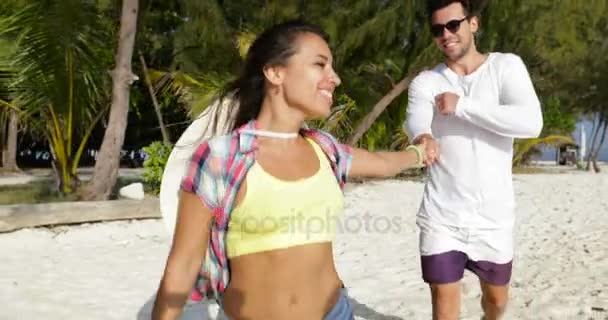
{"points": [[431, 148]]}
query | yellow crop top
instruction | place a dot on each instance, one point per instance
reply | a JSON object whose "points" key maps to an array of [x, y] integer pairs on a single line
{"points": [[277, 214]]}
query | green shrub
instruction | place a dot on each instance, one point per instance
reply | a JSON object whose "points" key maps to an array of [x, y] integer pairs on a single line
{"points": [[154, 165]]}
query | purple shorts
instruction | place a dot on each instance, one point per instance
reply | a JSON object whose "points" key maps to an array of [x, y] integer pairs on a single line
{"points": [[449, 267]]}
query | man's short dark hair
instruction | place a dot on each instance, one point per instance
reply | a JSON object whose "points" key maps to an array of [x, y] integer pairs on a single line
{"points": [[434, 5]]}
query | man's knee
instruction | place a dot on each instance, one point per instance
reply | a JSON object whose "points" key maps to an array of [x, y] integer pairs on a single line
{"points": [[496, 301], [446, 301]]}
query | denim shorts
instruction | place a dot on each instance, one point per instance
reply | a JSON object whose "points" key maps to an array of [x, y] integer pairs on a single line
{"points": [[342, 310]]}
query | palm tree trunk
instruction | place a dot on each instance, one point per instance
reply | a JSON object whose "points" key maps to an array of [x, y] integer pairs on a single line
{"points": [[108, 160], [65, 181], [596, 152], [594, 133], [369, 119], [163, 129], [9, 155]]}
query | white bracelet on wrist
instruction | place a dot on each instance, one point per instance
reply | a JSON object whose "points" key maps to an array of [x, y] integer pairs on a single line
{"points": [[419, 154]]}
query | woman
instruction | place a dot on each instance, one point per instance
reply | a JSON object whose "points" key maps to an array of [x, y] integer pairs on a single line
{"points": [[249, 197]]}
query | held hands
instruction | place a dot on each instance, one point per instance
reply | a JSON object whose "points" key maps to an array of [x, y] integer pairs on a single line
{"points": [[427, 149], [431, 150], [446, 102]]}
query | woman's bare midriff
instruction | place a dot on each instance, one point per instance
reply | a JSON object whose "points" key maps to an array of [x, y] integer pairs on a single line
{"points": [[295, 283]]}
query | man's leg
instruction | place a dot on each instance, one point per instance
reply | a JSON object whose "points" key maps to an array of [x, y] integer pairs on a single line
{"points": [[493, 300], [494, 281], [446, 301], [492, 246], [443, 273]]}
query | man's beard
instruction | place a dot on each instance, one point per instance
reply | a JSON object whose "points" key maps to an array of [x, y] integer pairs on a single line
{"points": [[463, 52]]}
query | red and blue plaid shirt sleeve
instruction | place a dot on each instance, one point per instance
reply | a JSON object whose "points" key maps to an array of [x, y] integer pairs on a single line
{"points": [[201, 177]]}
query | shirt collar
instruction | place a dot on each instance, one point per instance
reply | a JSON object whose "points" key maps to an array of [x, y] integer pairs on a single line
{"points": [[247, 142]]}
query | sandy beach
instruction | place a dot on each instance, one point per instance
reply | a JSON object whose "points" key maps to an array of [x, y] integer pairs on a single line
{"points": [[111, 270]]}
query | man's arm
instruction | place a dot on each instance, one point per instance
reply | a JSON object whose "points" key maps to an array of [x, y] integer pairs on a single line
{"points": [[419, 109], [519, 114], [420, 117]]}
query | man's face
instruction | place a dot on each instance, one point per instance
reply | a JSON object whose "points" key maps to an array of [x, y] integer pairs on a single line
{"points": [[452, 31]]}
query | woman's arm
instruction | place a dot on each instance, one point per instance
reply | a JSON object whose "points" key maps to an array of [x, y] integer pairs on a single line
{"points": [[185, 257], [385, 164]]}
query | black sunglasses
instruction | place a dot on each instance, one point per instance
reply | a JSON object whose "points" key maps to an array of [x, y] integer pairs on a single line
{"points": [[452, 26]]}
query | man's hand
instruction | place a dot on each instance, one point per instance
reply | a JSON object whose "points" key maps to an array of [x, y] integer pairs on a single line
{"points": [[431, 148], [446, 102]]}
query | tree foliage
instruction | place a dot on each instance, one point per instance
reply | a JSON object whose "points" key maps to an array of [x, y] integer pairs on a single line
{"points": [[60, 84], [192, 47]]}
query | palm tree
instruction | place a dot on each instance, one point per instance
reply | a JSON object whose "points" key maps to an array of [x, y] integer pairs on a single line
{"points": [[385, 47], [60, 84], [106, 166], [9, 115], [523, 148], [9, 120]]}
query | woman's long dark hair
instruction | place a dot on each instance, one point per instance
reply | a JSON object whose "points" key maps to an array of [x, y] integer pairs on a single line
{"points": [[273, 47]]}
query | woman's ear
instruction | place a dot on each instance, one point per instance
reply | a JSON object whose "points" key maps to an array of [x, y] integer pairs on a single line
{"points": [[274, 74]]}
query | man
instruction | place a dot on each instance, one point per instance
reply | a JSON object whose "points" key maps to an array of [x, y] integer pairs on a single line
{"points": [[469, 109]]}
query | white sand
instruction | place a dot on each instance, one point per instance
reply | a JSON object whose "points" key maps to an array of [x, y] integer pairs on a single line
{"points": [[111, 270]]}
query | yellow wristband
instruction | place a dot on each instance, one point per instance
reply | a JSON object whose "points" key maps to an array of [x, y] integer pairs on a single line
{"points": [[419, 154]]}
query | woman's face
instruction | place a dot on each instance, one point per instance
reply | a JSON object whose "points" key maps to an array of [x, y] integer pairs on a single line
{"points": [[309, 80]]}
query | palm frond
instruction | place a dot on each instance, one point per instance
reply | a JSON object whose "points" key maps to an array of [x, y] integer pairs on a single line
{"points": [[524, 146], [400, 140], [196, 93], [244, 39], [59, 59], [339, 123], [365, 35]]}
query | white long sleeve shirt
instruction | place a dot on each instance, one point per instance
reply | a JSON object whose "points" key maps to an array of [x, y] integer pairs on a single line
{"points": [[471, 185]]}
